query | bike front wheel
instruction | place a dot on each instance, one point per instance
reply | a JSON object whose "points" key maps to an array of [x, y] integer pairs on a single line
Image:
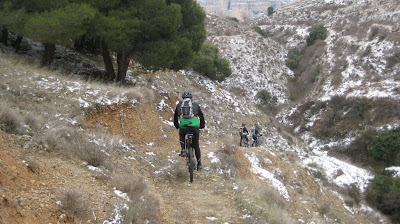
{"points": [[191, 163]]}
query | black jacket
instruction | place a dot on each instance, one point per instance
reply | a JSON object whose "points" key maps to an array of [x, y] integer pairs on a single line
{"points": [[196, 111]]}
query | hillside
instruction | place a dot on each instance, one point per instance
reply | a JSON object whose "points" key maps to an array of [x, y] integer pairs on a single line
{"points": [[76, 151]]}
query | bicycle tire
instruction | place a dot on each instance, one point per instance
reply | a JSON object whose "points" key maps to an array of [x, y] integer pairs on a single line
{"points": [[191, 163]]}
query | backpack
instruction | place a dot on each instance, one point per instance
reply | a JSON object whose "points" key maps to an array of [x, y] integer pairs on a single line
{"points": [[187, 108]]}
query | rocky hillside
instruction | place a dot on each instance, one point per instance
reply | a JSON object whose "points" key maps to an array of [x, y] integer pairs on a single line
{"points": [[75, 151], [241, 9]]}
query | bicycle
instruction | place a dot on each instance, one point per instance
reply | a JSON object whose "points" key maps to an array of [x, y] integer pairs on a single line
{"points": [[190, 161], [257, 141], [245, 139]]}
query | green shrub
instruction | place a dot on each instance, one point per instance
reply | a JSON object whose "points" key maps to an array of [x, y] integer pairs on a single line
{"points": [[294, 57], [267, 100], [260, 31], [292, 64], [385, 146], [384, 193], [271, 10], [317, 33], [234, 19], [209, 63]]}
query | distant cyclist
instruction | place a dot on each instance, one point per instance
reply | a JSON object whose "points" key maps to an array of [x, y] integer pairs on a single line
{"points": [[243, 134], [188, 117], [256, 136]]}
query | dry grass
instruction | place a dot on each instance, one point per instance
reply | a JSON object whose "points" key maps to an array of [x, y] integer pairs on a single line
{"points": [[263, 203], [32, 164], [323, 209], [127, 183], [75, 205], [144, 206], [229, 162], [10, 120]]}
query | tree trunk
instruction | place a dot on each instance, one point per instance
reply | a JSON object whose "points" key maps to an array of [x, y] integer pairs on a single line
{"points": [[123, 63], [17, 44], [4, 36], [48, 55], [107, 62]]}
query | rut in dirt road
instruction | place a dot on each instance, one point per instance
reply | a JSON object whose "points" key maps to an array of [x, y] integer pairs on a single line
{"points": [[208, 198]]}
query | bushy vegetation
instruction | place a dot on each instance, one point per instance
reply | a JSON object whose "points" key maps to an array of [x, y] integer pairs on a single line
{"points": [[385, 147], [317, 33], [260, 31], [271, 10], [294, 58], [268, 101], [74, 205], [303, 61], [209, 63], [144, 207], [343, 116], [234, 19], [10, 120], [263, 203], [227, 155], [384, 194]]}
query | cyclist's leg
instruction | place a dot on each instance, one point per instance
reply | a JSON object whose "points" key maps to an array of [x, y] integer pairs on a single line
{"points": [[182, 133], [196, 146], [241, 139]]}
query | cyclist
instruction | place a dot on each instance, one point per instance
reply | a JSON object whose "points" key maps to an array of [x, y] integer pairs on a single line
{"points": [[256, 136], [243, 134], [189, 120]]}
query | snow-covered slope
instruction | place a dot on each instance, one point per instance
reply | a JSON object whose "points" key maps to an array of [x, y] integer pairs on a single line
{"points": [[360, 58]]}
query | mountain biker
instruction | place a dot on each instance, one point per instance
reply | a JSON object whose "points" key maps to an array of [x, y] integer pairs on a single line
{"points": [[191, 124], [243, 134], [256, 135]]}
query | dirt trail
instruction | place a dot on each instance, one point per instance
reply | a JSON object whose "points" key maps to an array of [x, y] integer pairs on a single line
{"points": [[209, 198]]}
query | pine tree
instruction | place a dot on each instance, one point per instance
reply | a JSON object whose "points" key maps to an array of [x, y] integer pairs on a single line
{"points": [[59, 26], [157, 33]]}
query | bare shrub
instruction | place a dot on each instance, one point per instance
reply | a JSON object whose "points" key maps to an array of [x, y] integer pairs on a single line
{"points": [[393, 60], [177, 173], [354, 192], [373, 33], [74, 205], [33, 121], [144, 210], [323, 209], [72, 142], [132, 94], [144, 206], [91, 153], [10, 121], [147, 95], [229, 161], [386, 108], [127, 183], [263, 202], [32, 164]]}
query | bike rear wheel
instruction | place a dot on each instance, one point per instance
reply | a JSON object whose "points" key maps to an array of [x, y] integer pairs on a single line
{"points": [[191, 163]]}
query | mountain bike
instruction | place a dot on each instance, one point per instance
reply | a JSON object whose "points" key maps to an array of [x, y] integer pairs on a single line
{"points": [[190, 161], [245, 139], [256, 142]]}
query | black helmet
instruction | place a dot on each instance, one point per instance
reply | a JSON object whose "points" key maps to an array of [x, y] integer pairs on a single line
{"points": [[243, 124], [186, 95]]}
